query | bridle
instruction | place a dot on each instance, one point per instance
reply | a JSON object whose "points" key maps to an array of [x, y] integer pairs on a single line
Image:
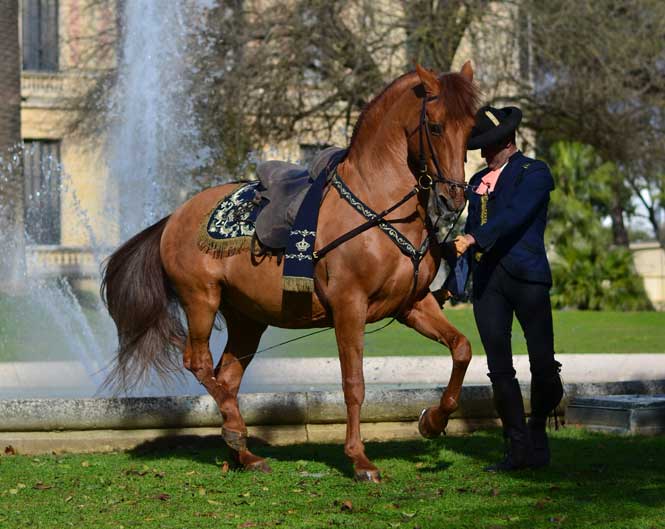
{"points": [[425, 130], [424, 183]]}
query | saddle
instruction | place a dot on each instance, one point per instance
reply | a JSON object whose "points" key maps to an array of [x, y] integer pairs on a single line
{"points": [[282, 191]]}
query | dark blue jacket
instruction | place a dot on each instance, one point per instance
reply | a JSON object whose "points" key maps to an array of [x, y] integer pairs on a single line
{"points": [[513, 236]]}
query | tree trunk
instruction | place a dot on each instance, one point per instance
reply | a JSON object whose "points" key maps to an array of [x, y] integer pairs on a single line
{"points": [[658, 230], [435, 29], [12, 240], [619, 231]]}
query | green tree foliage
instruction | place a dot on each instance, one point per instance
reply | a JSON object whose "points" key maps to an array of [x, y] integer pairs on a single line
{"points": [[593, 72], [588, 271]]}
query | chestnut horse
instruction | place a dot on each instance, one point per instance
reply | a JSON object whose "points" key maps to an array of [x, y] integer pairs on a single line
{"points": [[363, 280]]}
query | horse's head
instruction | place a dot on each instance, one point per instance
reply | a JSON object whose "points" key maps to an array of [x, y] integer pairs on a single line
{"points": [[447, 106]]}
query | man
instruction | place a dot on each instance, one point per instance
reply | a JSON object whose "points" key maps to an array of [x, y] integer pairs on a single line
{"points": [[504, 245]]}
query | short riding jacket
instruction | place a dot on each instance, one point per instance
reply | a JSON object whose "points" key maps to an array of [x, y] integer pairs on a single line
{"points": [[509, 223]]}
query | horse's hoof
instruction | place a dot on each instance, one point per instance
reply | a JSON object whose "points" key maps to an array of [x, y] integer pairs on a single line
{"points": [[373, 476], [422, 428], [259, 466]]}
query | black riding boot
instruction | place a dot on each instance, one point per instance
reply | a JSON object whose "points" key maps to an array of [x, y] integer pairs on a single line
{"points": [[509, 405], [546, 393]]}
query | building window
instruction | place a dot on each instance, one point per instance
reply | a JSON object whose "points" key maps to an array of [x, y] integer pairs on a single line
{"points": [[40, 35], [42, 172]]}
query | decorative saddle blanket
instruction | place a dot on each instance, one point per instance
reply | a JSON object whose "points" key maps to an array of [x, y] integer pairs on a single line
{"points": [[230, 227], [281, 210]]}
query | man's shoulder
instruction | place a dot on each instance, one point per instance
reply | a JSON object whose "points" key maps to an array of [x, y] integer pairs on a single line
{"points": [[532, 169], [528, 164]]}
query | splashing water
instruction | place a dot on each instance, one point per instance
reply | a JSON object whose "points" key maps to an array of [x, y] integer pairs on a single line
{"points": [[154, 144], [153, 148], [44, 330]]}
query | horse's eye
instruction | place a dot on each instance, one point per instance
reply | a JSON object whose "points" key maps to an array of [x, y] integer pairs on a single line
{"points": [[435, 128]]}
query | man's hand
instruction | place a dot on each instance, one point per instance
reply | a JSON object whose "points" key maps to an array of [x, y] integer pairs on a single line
{"points": [[462, 243]]}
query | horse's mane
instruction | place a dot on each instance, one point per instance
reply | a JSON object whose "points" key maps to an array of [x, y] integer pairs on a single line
{"points": [[459, 94]]}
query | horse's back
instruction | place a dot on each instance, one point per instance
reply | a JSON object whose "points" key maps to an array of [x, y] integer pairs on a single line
{"points": [[178, 247]]}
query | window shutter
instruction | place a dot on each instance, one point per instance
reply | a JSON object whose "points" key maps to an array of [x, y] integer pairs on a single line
{"points": [[49, 34], [40, 35], [42, 172], [30, 18]]}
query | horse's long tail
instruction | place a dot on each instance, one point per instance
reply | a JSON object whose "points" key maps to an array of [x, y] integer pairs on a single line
{"points": [[145, 309]]}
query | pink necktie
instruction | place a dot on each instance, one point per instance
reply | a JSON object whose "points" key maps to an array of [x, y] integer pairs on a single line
{"points": [[488, 182]]}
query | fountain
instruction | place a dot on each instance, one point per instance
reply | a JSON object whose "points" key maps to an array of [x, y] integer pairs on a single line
{"points": [[154, 143], [152, 150]]}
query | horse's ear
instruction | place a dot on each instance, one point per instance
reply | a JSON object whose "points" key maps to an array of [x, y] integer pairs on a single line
{"points": [[467, 71], [429, 80]]}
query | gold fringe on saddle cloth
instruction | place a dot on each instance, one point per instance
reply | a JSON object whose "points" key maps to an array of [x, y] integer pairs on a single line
{"points": [[298, 284], [219, 248]]}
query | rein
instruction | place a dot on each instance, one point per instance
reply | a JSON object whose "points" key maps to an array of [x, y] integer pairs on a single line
{"points": [[424, 182]]}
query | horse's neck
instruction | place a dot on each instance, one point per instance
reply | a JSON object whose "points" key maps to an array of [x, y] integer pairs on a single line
{"points": [[376, 167], [378, 182]]}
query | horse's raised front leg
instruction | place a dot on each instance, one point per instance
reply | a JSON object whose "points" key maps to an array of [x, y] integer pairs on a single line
{"points": [[244, 336], [349, 326], [427, 318]]}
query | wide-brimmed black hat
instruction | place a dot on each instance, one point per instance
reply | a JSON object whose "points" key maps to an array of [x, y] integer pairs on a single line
{"points": [[493, 125]]}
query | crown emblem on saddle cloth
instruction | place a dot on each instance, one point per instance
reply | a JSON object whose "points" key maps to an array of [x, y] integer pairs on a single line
{"points": [[302, 246]]}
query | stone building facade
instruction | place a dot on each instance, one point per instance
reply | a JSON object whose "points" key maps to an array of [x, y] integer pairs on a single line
{"points": [[64, 172]]}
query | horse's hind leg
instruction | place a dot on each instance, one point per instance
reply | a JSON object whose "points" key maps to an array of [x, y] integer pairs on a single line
{"points": [[244, 335], [426, 317], [201, 307]]}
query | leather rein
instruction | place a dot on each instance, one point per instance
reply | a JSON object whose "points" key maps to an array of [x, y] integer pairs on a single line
{"points": [[424, 183]]}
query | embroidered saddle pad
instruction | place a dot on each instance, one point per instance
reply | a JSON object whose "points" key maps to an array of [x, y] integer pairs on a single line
{"points": [[229, 228], [281, 209], [284, 186]]}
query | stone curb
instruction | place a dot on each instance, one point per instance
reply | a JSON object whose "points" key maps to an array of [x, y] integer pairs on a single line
{"points": [[278, 374], [265, 409]]}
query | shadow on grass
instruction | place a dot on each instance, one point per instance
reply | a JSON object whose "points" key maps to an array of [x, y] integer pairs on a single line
{"points": [[592, 469], [210, 449], [593, 476], [573, 450]]}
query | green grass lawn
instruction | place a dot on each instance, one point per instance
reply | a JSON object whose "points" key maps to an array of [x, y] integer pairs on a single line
{"points": [[595, 481], [55, 329], [29, 332], [574, 332]]}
